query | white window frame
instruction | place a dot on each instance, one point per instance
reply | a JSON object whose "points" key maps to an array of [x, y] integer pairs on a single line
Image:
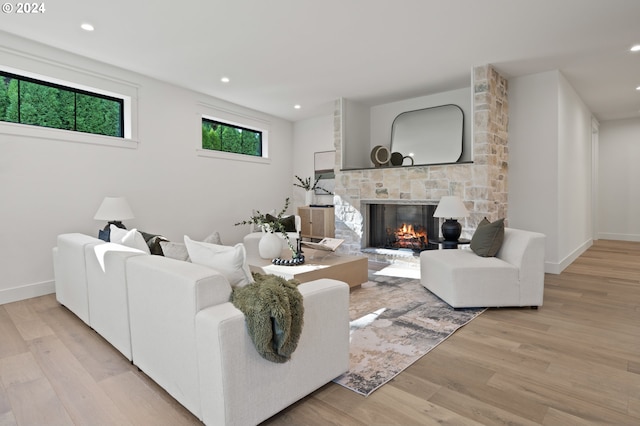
{"points": [[129, 111], [233, 118]]}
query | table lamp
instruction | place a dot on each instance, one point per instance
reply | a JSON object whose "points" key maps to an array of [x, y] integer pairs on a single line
{"points": [[451, 208], [114, 210]]}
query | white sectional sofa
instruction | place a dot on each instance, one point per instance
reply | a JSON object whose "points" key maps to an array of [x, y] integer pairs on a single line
{"points": [[173, 320], [514, 277]]}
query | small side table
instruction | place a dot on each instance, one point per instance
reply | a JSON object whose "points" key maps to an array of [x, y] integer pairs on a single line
{"points": [[451, 244]]}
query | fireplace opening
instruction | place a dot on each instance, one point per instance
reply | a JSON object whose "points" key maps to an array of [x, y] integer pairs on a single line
{"points": [[403, 226]]}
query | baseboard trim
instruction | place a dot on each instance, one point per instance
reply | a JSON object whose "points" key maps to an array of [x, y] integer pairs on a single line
{"points": [[619, 237], [26, 292], [557, 268]]}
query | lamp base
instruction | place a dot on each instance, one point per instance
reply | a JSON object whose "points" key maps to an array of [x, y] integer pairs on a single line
{"points": [[105, 233], [116, 223], [451, 230]]}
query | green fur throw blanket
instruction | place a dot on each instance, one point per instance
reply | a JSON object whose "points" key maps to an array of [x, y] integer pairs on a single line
{"points": [[274, 312]]}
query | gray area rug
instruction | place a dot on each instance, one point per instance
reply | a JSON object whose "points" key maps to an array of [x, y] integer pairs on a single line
{"points": [[395, 322]]}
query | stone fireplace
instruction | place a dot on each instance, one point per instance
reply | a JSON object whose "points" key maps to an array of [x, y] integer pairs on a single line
{"points": [[480, 183]]}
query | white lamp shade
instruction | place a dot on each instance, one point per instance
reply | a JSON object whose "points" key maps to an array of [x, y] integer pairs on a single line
{"points": [[114, 209], [451, 206]]}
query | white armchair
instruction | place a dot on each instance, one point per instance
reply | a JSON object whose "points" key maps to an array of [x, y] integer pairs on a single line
{"points": [[514, 277]]}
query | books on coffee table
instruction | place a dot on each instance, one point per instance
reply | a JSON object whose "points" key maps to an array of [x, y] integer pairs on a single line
{"points": [[329, 244]]}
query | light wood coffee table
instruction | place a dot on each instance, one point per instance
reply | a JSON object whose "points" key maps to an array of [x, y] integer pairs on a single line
{"points": [[318, 264]]}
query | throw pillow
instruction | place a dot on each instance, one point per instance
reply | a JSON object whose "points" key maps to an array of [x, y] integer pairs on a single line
{"points": [[229, 261], [130, 238], [153, 241], [103, 234], [289, 222], [214, 238], [488, 238], [175, 250]]}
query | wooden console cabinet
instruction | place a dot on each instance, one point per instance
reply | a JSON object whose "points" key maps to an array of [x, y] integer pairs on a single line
{"points": [[317, 222]]}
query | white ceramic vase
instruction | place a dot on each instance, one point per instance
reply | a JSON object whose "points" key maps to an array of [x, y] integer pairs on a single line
{"points": [[270, 246], [309, 197]]}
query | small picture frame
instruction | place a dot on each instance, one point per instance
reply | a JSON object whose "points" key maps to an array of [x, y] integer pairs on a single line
{"points": [[324, 162]]}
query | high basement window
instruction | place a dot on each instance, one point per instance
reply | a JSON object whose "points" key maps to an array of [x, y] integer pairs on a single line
{"points": [[226, 137], [29, 101]]}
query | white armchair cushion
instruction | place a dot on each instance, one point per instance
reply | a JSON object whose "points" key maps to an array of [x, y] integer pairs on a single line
{"points": [[229, 261]]}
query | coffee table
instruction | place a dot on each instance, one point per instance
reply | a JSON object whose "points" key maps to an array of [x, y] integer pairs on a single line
{"points": [[318, 264]]}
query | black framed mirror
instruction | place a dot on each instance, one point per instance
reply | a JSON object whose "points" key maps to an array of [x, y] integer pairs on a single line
{"points": [[430, 135]]}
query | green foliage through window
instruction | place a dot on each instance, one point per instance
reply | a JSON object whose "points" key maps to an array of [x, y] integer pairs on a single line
{"points": [[225, 137], [28, 101]]}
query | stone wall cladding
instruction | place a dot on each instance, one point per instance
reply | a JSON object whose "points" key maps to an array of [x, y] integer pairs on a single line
{"points": [[481, 184]]}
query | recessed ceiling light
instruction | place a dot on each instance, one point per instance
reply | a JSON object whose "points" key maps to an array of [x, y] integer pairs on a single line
{"points": [[635, 48], [87, 27], [225, 79], [638, 88], [297, 106]]}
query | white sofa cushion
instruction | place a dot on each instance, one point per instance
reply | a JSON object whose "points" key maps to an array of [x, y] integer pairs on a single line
{"points": [[107, 287], [130, 238], [71, 274], [229, 261]]}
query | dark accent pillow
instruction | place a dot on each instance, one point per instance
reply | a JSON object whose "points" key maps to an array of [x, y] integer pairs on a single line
{"points": [[153, 241], [488, 238], [104, 234], [289, 222]]}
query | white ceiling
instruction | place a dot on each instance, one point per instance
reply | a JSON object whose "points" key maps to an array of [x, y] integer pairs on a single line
{"points": [[279, 53]]}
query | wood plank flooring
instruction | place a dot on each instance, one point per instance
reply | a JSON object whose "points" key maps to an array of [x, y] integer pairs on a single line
{"points": [[574, 361]]}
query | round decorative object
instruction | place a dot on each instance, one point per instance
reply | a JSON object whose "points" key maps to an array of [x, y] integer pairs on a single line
{"points": [[294, 261], [396, 159], [380, 156], [269, 246]]}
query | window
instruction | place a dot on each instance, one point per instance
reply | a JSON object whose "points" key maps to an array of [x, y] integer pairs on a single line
{"points": [[227, 137], [34, 102]]}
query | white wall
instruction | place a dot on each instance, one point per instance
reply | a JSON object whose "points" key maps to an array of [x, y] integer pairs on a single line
{"points": [[50, 186], [574, 174], [310, 136], [382, 117], [550, 165], [533, 161], [356, 134], [619, 180]]}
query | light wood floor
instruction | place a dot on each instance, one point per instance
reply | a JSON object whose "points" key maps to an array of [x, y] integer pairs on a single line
{"points": [[574, 361]]}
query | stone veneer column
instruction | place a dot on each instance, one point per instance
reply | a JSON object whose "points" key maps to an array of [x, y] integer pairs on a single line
{"points": [[488, 190], [481, 184]]}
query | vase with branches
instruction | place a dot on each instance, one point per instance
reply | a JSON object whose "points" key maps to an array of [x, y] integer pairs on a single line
{"points": [[274, 224], [309, 187]]}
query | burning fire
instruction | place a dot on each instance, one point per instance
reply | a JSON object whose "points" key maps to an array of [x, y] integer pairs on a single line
{"points": [[406, 236]]}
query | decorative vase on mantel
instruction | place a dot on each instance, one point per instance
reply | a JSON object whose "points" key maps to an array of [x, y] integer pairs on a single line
{"points": [[270, 246], [309, 197]]}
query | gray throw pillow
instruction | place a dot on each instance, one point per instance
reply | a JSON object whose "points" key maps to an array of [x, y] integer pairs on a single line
{"points": [[175, 250], [488, 238]]}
